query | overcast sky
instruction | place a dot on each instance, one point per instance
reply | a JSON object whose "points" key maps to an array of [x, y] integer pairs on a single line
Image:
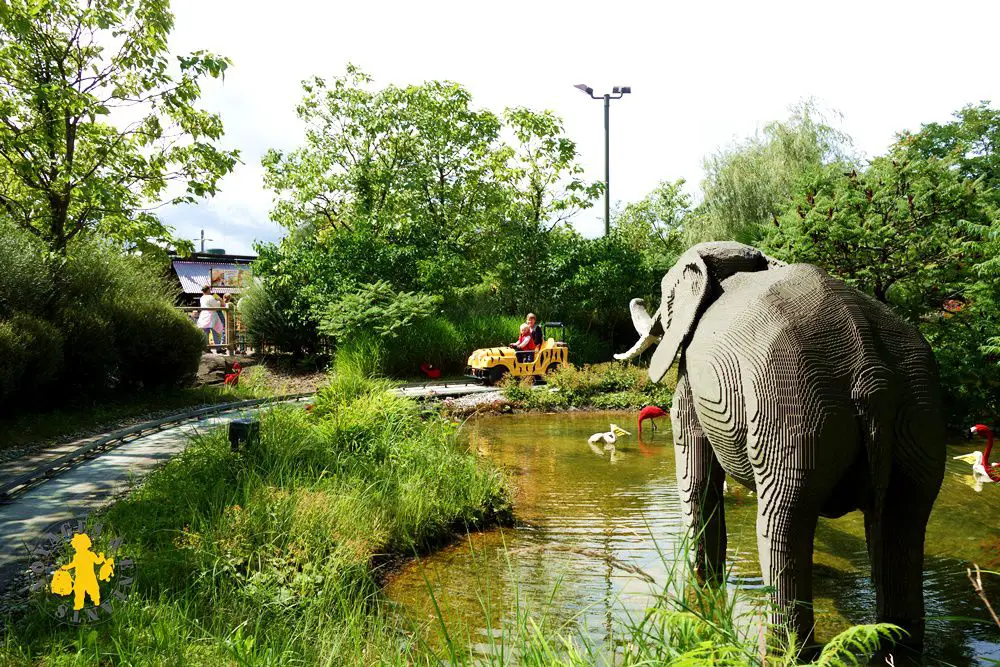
{"points": [[703, 74]]}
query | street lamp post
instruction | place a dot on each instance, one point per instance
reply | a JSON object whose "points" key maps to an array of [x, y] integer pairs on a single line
{"points": [[616, 94]]}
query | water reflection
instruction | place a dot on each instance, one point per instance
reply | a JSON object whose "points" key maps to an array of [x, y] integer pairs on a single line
{"points": [[583, 513]]}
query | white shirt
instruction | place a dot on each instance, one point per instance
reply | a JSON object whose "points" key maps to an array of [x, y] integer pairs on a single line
{"points": [[206, 318]]}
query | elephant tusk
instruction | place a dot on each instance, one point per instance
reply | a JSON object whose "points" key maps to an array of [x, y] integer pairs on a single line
{"points": [[643, 344]]}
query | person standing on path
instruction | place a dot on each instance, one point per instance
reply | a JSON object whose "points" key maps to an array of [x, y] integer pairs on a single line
{"points": [[208, 320]]}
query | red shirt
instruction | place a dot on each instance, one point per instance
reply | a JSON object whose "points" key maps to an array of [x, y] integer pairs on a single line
{"points": [[525, 342]]}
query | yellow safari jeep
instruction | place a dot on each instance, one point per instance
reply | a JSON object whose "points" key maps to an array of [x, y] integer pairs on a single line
{"points": [[490, 364]]}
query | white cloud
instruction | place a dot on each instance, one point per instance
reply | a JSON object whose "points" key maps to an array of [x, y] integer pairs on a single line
{"points": [[702, 73]]}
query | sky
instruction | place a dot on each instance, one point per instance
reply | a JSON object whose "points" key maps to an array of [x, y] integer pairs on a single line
{"points": [[703, 75]]}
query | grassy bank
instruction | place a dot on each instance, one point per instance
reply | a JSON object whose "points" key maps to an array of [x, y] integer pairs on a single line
{"points": [[86, 416], [607, 386], [270, 556]]}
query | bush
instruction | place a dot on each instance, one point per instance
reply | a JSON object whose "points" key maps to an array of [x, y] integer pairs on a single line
{"points": [[87, 323], [378, 308], [608, 386], [158, 347], [91, 358], [447, 344], [270, 321]]}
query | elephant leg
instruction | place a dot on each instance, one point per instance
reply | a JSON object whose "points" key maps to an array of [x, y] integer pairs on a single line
{"points": [[700, 479], [896, 550], [785, 534]]}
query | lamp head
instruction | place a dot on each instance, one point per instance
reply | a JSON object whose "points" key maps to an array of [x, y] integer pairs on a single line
{"points": [[585, 88]]}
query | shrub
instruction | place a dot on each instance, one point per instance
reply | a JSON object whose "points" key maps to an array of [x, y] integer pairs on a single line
{"points": [[158, 347], [13, 355], [271, 322], [25, 278], [91, 358], [31, 356], [88, 323], [445, 343], [378, 308], [608, 386]]}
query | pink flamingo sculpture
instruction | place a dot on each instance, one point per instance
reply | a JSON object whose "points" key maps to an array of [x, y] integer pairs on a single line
{"points": [[430, 371], [233, 379], [650, 412]]}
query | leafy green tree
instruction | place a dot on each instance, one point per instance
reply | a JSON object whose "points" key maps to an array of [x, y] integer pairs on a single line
{"points": [[892, 227], [97, 129], [914, 232], [967, 341], [416, 186], [747, 185], [653, 226], [971, 141]]}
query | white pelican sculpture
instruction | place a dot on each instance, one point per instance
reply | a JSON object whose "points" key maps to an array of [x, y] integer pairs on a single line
{"points": [[609, 438]]}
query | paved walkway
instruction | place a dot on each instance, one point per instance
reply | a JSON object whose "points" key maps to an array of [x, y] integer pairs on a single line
{"points": [[90, 485], [444, 391]]}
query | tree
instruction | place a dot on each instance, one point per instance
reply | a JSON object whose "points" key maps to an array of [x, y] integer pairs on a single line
{"points": [[748, 184], [97, 130], [891, 230], [414, 185], [914, 232], [971, 141], [653, 226]]}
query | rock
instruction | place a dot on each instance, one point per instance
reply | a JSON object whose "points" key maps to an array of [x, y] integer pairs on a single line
{"points": [[213, 367]]}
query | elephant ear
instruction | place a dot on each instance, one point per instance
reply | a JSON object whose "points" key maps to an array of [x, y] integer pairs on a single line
{"points": [[684, 294]]}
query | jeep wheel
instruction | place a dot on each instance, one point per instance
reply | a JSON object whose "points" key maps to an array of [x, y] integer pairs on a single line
{"points": [[497, 373]]}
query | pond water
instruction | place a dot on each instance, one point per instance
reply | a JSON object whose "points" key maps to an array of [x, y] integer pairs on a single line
{"points": [[578, 510]]}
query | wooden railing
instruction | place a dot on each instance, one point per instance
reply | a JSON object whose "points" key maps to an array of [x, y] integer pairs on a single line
{"points": [[233, 334]]}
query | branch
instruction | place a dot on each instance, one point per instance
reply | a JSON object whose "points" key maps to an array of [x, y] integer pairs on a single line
{"points": [[977, 585]]}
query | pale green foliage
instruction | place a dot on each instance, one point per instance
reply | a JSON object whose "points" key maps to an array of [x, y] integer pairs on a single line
{"points": [[890, 229], [376, 308], [66, 167], [749, 183]]}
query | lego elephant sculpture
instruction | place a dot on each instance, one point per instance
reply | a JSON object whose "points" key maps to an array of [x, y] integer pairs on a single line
{"points": [[812, 394]]}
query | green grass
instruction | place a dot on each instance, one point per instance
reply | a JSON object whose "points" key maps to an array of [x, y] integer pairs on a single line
{"points": [[607, 386], [271, 556]]}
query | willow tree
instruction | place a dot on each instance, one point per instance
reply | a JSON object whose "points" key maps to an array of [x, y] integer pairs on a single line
{"points": [[748, 184], [98, 126]]}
